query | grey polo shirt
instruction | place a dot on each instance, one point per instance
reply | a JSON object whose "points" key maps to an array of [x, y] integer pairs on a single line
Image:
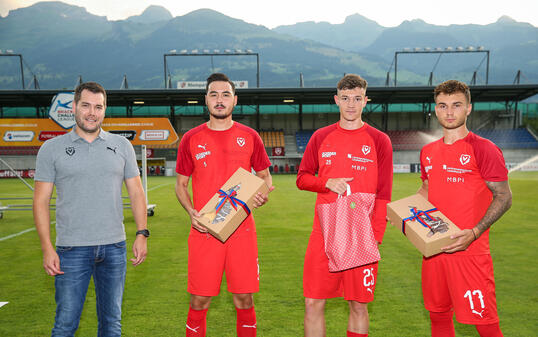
{"points": [[88, 179]]}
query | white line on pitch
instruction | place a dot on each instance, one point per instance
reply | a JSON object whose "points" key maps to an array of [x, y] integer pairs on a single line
{"points": [[17, 234], [20, 233], [3, 303], [156, 187]]}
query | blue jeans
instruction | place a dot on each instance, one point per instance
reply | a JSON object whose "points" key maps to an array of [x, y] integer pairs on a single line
{"points": [[107, 264]]}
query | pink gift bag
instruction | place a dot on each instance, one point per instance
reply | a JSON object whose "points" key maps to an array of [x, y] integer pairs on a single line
{"points": [[347, 231]]}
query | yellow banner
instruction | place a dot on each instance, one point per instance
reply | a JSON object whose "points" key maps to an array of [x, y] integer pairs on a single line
{"points": [[35, 131]]}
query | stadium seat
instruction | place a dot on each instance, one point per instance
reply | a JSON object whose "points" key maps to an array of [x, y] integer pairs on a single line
{"points": [[302, 138], [273, 138], [510, 138]]}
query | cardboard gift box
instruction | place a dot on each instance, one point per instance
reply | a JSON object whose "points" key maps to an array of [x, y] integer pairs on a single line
{"points": [[227, 209], [425, 226]]}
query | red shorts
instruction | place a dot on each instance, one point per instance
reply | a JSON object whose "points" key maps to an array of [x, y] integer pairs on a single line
{"points": [[462, 282], [356, 284], [209, 258]]}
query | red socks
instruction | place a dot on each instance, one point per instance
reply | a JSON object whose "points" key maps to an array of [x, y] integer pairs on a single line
{"points": [[442, 324], [354, 334], [196, 323], [489, 330], [246, 322]]}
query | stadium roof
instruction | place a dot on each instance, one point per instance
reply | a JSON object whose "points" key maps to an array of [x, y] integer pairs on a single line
{"points": [[271, 96]]}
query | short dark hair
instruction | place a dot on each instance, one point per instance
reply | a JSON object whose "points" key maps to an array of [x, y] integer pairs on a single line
{"points": [[451, 87], [219, 77], [94, 87], [352, 81]]}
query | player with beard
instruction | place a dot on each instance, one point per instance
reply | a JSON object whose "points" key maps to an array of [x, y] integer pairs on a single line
{"points": [[465, 177], [88, 167], [211, 153]]}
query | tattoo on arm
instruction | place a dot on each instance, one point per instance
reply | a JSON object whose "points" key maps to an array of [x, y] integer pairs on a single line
{"points": [[502, 200]]}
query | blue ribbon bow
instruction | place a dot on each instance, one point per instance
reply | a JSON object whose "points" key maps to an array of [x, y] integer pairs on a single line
{"points": [[233, 200], [416, 216]]}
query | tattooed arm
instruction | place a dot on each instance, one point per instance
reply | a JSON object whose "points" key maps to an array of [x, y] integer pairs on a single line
{"points": [[502, 200]]}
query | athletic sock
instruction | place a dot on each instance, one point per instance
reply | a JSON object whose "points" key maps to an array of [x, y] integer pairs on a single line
{"points": [[196, 323], [354, 334], [246, 322], [489, 330], [442, 324]]}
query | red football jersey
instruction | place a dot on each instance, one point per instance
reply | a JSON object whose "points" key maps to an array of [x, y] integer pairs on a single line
{"points": [[364, 154], [211, 157], [456, 175]]}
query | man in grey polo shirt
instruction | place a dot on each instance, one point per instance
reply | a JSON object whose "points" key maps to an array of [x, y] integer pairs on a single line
{"points": [[88, 167]]}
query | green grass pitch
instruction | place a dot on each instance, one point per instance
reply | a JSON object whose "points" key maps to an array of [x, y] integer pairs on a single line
{"points": [[156, 302]]}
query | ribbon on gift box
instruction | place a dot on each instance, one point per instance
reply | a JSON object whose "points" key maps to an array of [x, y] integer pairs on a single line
{"points": [[233, 200], [416, 216]]}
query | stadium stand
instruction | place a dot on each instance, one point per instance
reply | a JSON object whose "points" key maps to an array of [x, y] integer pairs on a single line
{"points": [[273, 138], [510, 139], [411, 139], [403, 140], [302, 137]]}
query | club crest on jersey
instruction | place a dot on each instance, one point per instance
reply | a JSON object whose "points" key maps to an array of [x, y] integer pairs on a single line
{"points": [[465, 158], [241, 141], [365, 149], [70, 150]]}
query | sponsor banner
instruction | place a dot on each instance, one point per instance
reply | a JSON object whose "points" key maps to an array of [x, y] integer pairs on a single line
{"points": [[35, 131], [152, 135], [401, 168], [129, 134], [46, 135], [61, 109], [18, 136], [202, 84], [22, 173]]}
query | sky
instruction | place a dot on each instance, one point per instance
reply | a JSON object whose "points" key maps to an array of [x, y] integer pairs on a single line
{"points": [[388, 13]]}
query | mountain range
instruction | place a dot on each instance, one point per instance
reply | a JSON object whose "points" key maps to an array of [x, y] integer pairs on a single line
{"points": [[59, 42]]}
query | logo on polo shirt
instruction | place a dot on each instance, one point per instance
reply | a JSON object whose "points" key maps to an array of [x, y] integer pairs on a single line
{"points": [[241, 141], [70, 150], [365, 149], [465, 158]]}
